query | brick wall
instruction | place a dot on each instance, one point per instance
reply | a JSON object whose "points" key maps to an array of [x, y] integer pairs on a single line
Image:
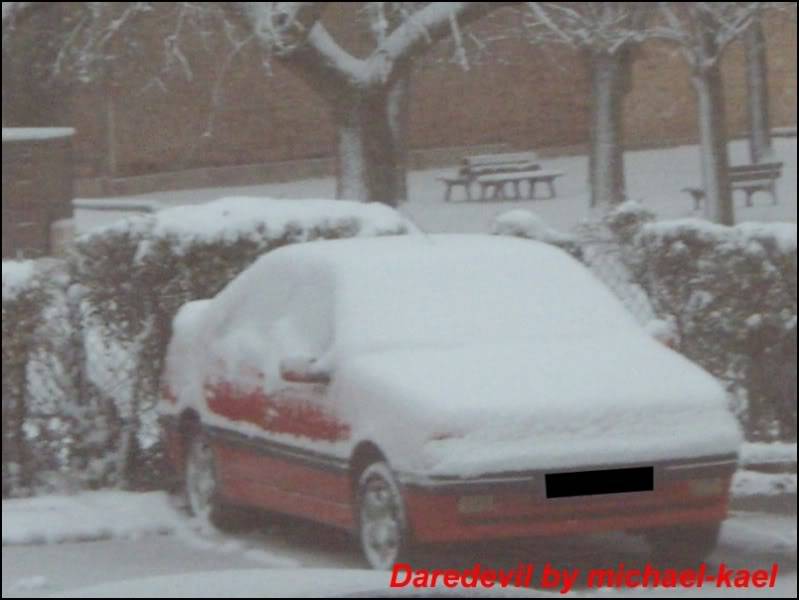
{"points": [[130, 123], [37, 189]]}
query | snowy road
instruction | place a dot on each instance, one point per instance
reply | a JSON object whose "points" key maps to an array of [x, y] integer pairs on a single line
{"points": [[749, 540]]}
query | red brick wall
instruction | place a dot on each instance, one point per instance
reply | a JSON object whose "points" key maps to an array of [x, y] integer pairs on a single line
{"points": [[661, 105], [37, 191], [527, 96]]}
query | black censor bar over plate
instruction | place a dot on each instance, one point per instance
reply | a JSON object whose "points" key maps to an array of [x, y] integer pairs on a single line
{"points": [[606, 481]]}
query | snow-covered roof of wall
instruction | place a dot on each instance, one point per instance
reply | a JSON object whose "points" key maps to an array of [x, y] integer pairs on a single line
{"points": [[234, 216], [258, 219], [19, 134]]}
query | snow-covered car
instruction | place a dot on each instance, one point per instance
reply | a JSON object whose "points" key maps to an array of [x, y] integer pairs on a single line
{"points": [[442, 388]]}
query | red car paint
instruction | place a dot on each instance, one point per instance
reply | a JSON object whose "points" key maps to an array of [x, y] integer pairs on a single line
{"points": [[436, 518], [280, 413], [286, 485], [270, 453]]}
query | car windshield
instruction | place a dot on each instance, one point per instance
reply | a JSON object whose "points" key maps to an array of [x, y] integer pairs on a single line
{"points": [[491, 296]]}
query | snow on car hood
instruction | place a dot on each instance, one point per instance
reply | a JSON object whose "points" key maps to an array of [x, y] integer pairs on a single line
{"points": [[474, 409]]}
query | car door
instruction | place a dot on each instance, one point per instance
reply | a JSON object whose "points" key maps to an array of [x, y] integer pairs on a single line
{"points": [[283, 447], [308, 435]]}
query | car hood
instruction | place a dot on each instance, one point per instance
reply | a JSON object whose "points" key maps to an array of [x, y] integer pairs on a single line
{"points": [[475, 408]]}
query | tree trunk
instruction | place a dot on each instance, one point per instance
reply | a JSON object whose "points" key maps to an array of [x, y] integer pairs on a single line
{"points": [[760, 149], [606, 156], [371, 153], [713, 144], [398, 117]]}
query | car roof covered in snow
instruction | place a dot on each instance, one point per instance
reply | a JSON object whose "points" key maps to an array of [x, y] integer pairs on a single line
{"points": [[433, 289], [346, 256]]}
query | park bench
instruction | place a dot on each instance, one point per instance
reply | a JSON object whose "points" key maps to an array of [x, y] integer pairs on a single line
{"points": [[749, 178], [493, 186], [495, 171]]}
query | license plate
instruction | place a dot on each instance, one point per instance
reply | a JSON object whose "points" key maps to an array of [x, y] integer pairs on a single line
{"points": [[603, 481]]}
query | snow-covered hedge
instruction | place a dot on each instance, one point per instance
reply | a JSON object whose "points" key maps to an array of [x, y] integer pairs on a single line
{"points": [[48, 419], [138, 272], [731, 293], [526, 224], [624, 221], [726, 296], [23, 304]]}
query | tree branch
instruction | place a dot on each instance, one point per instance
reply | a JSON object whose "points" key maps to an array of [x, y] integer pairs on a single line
{"points": [[422, 29]]}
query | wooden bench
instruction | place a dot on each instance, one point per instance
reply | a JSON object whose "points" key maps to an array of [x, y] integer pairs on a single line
{"points": [[749, 178], [496, 184], [473, 167]]}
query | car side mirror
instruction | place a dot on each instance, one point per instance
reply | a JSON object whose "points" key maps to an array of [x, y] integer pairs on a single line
{"points": [[301, 369]]}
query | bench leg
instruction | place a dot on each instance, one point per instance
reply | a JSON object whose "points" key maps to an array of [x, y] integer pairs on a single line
{"points": [[499, 191], [502, 189], [448, 193], [483, 191], [697, 196], [773, 190], [551, 184], [531, 190], [749, 193], [517, 191]]}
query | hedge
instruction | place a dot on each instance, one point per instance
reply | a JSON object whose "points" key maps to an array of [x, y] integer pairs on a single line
{"points": [[731, 294], [526, 224], [137, 273], [726, 296]]}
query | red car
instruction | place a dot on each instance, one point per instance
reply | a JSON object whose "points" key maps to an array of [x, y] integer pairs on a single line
{"points": [[422, 389]]}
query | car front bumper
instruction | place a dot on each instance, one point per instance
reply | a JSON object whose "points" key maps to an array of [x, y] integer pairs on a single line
{"points": [[512, 505]]}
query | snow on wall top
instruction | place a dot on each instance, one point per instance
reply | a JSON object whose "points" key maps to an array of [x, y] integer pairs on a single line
{"points": [[18, 134], [237, 214], [526, 224], [261, 219], [17, 277]]}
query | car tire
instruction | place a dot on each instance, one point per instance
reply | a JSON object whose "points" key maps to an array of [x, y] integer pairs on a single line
{"points": [[685, 546], [383, 532], [201, 486]]}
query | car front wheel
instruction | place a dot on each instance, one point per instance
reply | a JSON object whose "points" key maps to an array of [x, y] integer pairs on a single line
{"points": [[382, 523], [201, 486]]}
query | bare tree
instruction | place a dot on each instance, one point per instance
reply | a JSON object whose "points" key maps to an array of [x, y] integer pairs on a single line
{"points": [[702, 31], [760, 149], [367, 95], [607, 34]]}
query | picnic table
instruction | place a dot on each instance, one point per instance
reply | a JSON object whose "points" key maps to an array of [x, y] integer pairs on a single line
{"points": [[495, 172]]}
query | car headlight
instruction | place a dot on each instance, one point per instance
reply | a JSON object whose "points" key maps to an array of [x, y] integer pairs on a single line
{"points": [[707, 487]]}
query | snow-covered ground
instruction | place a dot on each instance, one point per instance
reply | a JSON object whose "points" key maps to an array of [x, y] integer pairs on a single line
{"points": [[754, 483], [654, 177], [174, 555], [86, 516], [766, 470], [145, 542], [754, 453]]}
